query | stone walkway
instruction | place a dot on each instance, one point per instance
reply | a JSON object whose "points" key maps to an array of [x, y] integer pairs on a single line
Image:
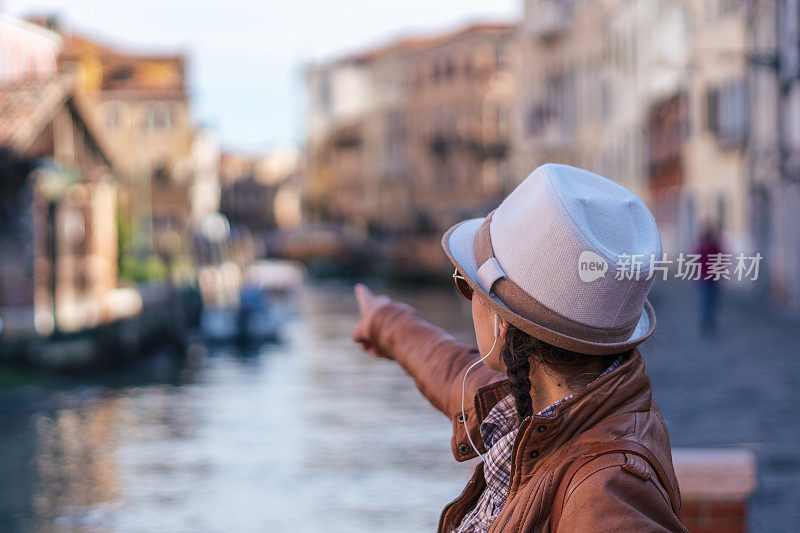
{"points": [[737, 387]]}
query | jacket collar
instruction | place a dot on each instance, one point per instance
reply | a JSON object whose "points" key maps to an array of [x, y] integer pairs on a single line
{"points": [[625, 389]]}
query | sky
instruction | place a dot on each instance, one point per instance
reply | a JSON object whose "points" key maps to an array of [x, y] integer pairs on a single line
{"points": [[246, 57]]}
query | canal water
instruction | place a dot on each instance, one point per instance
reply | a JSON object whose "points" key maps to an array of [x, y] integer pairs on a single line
{"points": [[310, 434]]}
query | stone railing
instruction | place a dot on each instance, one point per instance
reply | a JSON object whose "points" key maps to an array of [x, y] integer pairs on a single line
{"points": [[716, 485]]}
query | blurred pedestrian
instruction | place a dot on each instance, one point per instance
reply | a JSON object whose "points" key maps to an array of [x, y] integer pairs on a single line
{"points": [[555, 399], [709, 248]]}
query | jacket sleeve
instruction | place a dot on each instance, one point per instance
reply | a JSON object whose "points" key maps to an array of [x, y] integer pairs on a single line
{"points": [[607, 497], [435, 359]]}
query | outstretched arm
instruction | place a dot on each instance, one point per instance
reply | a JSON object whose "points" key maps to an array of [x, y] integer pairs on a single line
{"points": [[434, 358]]}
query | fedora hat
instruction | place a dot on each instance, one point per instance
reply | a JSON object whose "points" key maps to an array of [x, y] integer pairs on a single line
{"points": [[550, 260]]}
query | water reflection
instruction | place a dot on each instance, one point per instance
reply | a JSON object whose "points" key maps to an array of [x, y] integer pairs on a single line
{"points": [[309, 435], [74, 462]]}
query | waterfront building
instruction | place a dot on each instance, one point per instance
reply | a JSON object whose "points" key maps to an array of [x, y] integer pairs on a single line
{"points": [[340, 95], [564, 96], [204, 194], [260, 193], [389, 191], [692, 104], [27, 51], [411, 136], [647, 52], [58, 236], [140, 104], [459, 135], [716, 115], [650, 94], [773, 147]]}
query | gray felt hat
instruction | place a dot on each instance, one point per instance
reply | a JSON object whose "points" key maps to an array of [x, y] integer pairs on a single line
{"points": [[551, 260]]}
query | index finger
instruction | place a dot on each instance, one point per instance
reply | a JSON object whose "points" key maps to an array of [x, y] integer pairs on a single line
{"points": [[363, 295]]}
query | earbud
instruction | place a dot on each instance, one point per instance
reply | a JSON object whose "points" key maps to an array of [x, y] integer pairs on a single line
{"points": [[464, 382]]}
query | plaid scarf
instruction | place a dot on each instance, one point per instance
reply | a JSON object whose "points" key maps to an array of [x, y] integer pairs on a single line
{"points": [[499, 431]]}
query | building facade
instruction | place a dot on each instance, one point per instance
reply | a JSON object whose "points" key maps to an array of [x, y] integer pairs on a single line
{"points": [[717, 114], [692, 104], [260, 193], [340, 99], [564, 95], [27, 51], [412, 136], [141, 107], [58, 238], [649, 93], [459, 138], [773, 147]]}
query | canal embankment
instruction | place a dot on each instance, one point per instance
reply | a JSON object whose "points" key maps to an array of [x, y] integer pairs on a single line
{"points": [[167, 315]]}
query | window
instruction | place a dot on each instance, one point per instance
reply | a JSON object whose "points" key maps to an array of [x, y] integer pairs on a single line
{"points": [[114, 115], [500, 55], [726, 113], [716, 9], [161, 174], [788, 37], [325, 93], [722, 210], [536, 118], [396, 133], [121, 74], [158, 117], [560, 98], [605, 100], [501, 114], [712, 96], [449, 68], [436, 71]]}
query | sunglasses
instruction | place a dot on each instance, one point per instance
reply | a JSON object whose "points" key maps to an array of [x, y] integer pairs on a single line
{"points": [[461, 284]]}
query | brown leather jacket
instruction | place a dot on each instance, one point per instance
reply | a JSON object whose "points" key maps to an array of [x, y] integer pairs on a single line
{"points": [[602, 462]]}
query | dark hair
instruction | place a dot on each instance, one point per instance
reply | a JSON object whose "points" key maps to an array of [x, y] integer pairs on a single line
{"points": [[520, 350]]}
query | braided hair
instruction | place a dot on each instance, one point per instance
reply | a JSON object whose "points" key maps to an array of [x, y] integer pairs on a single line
{"points": [[522, 350]]}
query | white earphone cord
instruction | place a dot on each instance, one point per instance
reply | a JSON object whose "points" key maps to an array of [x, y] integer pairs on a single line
{"points": [[464, 388]]}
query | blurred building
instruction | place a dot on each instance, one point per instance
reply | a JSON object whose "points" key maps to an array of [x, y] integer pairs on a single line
{"points": [[58, 238], [389, 187], [696, 126], [716, 124], [205, 188], [413, 135], [246, 197], [58, 242], [594, 77], [459, 132], [340, 99], [141, 107], [260, 193], [564, 97], [649, 93], [774, 143], [648, 57], [692, 104], [286, 166], [588, 73], [27, 51]]}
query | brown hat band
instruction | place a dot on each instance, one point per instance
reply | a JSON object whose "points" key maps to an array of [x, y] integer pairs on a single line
{"points": [[530, 309]]}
